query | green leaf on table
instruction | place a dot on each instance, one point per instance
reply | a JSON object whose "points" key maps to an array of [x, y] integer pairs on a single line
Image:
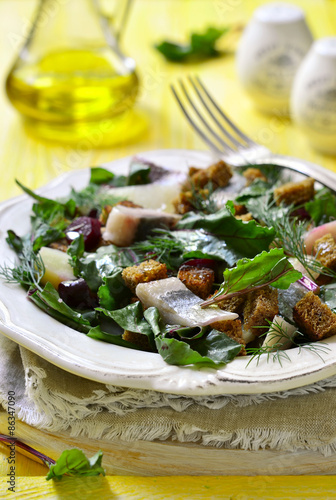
{"points": [[200, 46], [268, 268], [247, 239], [213, 349], [74, 463]]}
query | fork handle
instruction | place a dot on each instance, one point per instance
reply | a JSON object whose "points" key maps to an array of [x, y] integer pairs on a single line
{"points": [[320, 174]]}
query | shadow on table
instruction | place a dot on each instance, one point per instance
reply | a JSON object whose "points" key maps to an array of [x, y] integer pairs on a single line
{"points": [[83, 488]]}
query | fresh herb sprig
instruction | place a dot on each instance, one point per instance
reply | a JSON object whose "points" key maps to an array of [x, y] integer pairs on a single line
{"points": [[27, 273], [276, 353], [289, 232]]}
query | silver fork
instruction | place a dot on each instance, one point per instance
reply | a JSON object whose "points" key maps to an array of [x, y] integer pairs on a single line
{"points": [[227, 141]]}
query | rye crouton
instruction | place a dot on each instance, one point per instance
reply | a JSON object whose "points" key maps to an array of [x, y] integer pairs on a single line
{"points": [[325, 250], [139, 339], [251, 174], [233, 329], [314, 318], [244, 217], [198, 280], [149, 270], [232, 304], [295, 192], [260, 307], [185, 202]]}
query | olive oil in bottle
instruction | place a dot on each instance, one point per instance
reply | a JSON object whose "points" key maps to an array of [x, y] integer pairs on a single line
{"points": [[76, 86]]}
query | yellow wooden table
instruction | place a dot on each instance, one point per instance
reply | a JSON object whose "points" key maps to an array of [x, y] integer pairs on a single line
{"points": [[35, 163]]}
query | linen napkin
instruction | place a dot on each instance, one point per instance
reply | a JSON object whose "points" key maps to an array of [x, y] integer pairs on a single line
{"points": [[52, 399]]}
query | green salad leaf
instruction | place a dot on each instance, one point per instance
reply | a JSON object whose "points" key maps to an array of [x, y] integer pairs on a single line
{"points": [[74, 463], [49, 300], [200, 46], [322, 208], [246, 239], [268, 268], [212, 349]]}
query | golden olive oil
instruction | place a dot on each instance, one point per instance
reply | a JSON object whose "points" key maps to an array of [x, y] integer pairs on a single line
{"points": [[72, 91]]}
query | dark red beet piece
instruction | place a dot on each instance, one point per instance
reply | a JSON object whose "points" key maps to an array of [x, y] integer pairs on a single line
{"points": [[88, 227], [77, 294], [212, 264]]}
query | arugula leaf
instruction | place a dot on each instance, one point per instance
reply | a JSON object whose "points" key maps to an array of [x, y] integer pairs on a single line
{"points": [[114, 294], [322, 208], [247, 239], [268, 268], [76, 251], [74, 463], [69, 207], [49, 300], [214, 349], [94, 266], [200, 46]]}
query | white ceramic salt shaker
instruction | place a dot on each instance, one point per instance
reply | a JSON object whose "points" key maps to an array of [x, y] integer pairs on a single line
{"points": [[270, 51], [313, 100]]}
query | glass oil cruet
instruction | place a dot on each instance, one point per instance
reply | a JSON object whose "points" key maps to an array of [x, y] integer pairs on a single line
{"points": [[71, 80]]}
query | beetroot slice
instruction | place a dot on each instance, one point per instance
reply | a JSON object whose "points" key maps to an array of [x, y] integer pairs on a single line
{"points": [[88, 227]]}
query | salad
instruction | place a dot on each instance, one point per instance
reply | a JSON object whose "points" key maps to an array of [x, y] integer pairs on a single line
{"points": [[232, 264]]}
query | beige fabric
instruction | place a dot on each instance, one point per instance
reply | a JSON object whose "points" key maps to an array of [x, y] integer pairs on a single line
{"points": [[52, 399]]}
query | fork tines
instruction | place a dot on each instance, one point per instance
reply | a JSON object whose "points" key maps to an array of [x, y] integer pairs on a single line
{"points": [[208, 119]]}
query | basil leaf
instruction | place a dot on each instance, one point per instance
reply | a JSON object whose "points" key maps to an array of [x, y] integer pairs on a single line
{"points": [[214, 349], [74, 463]]}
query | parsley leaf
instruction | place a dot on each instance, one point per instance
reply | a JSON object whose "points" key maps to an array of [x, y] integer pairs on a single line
{"points": [[200, 46], [74, 463]]}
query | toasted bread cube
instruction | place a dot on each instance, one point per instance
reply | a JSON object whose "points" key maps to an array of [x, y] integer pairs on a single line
{"points": [[325, 250], [185, 202], [218, 174], [232, 304], [260, 307], [139, 339], [239, 209], [251, 174], [295, 192], [233, 329], [245, 217], [198, 280], [314, 318], [149, 270]]}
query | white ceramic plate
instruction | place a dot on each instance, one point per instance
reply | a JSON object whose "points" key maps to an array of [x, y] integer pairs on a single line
{"points": [[27, 325]]}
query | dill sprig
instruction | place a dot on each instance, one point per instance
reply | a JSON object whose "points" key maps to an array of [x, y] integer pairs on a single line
{"points": [[289, 234], [27, 273], [276, 352], [163, 247], [202, 200]]}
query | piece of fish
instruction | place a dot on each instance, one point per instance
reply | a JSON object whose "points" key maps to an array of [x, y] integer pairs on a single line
{"points": [[178, 305], [125, 225]]}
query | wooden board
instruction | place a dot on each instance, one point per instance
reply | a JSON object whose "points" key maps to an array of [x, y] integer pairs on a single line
{"points": [[155, 458]]}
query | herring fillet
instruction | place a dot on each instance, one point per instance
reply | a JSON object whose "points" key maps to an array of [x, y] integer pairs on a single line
{"points": [[178, 305]]}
